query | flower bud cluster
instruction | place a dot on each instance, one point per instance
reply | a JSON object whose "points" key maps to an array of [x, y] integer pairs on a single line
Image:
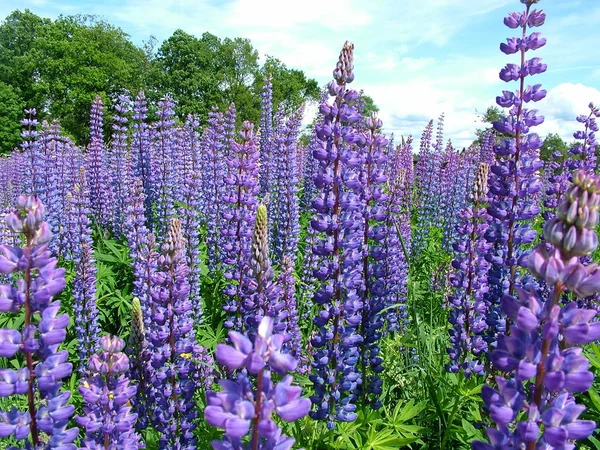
{"points": [[544, 339], [514, 177]]}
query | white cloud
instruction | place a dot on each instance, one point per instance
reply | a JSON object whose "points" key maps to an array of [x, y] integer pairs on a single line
{"points": [[562, 105]]}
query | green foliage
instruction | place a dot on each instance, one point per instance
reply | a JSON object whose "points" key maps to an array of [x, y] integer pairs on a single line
{"points": [[491, 114], [369, 104], [114, 285], [11, 106], [60, 66], [553, 143], [190, 69], [387, 429], [291, 88]]}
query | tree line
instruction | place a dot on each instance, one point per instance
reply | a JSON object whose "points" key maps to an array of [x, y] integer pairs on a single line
{"points": [[59, 66]]}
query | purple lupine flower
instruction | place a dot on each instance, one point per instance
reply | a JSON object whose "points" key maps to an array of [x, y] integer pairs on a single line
{"points": [[262, 297], [229, 121], [514, 180], [108, 421], [141, 150], [307, 278], [583, 153], [309, 169], [398, 213], [447, 196], [47, 141], [311, 164], [143, 284], [213, 186], [172, 347], [47, 416], [85, 309], [266, 137], [189, 212], [52, 184], [284, 212], [118, 163], [65, 166], [9, 178], [192, 144], [240, 408], [543, 341], [163, 167], [469, 281], [238, 217], [374, 287], [458, 175], [276, 146], [338, 219], [137, 351], [486, 153], [31, 170], [98, 176], [190, 207], [427, 189], [289, 313], [136, 232]]}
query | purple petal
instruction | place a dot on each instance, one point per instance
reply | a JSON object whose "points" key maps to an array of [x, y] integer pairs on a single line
{"points": [[230, 357]]}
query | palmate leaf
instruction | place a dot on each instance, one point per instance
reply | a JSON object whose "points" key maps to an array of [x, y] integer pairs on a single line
{"points": [[595, 442], [471, 432], [407, 412], [385, 439], [595, 397]]}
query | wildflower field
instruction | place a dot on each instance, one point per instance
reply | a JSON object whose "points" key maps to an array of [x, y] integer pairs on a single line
{"points": [[216, 282]]}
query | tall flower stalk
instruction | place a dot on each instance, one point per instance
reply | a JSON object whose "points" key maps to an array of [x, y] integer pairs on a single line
{"points": [[238, 215], [514, 179], [338, 219], [469, 281], [45, 422], [374, 257], [172, 348]]}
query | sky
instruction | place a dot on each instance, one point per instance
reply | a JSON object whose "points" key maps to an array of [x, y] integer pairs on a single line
{"points": [[417, 59]]}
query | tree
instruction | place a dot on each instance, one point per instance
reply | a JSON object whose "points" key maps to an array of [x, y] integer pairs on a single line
{"points": [[290, 86], [84, 57], [492, 114], [19, 58], [11, 106], [369, 103], [552, 144], [58, 67]]}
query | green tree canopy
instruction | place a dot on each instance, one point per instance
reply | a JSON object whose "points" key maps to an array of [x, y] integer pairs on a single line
{"points": [[11, 106], [553, 143], [290, 86], [58, 67]]}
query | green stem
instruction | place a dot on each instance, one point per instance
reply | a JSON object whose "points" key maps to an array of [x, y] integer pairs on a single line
{"points": [[452, 415]]}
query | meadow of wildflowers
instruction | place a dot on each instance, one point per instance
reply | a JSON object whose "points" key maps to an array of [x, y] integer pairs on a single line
{"points": [[228, 285]]}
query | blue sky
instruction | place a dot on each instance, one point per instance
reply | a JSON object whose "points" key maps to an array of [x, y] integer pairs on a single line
{"points": [[416, 58]]}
